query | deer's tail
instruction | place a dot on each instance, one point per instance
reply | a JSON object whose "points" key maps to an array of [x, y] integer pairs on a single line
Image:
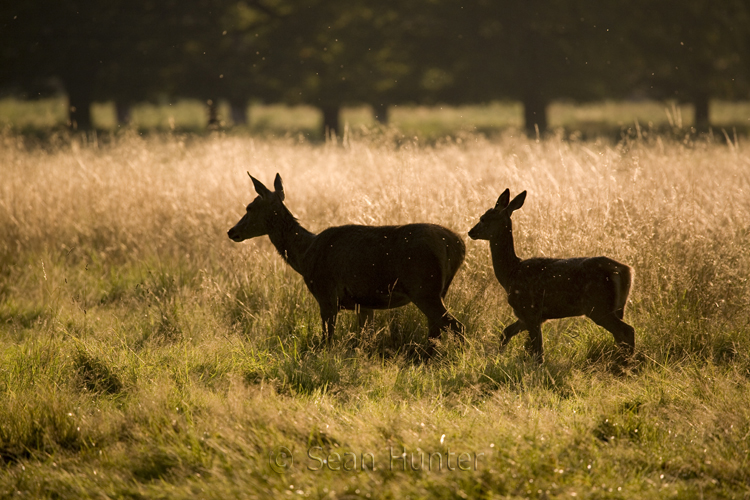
{"points": [[623, 280]]}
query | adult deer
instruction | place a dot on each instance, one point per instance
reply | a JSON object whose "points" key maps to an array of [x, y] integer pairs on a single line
{"points": [[360, 268], [540, 288]]}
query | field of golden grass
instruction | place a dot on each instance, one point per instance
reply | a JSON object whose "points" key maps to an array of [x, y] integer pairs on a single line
{"points": [[146, 355]]}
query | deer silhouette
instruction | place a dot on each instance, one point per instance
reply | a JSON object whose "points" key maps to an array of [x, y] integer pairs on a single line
{"points": [[357, 267], [539, 289]]}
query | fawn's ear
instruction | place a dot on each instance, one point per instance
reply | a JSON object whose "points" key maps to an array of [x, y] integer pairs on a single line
{"points": [[279, 187], [502, 201], [262, 190], [517, 202]]}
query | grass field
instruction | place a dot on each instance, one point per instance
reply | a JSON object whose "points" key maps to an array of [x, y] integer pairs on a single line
{"points": [[145, 355]]}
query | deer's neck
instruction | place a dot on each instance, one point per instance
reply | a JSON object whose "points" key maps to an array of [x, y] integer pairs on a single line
{"points": [[290, 239], [504, 259]]}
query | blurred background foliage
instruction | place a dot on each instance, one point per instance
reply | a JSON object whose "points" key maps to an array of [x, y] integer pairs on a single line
{"points": [[235, 58]]}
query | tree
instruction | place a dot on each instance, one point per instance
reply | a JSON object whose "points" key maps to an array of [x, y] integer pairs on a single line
{"points": [[532, 51], [220, 53], [692, 50], [96, 49], [331, 53]]}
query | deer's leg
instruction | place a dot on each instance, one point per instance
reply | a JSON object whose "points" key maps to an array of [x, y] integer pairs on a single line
{"points": [[447, 285], [365, 317], [438, 317], [620, 313], [534, 343], [426, 285], [328, 314], [433, 328], [511, 331], [623, 333]]}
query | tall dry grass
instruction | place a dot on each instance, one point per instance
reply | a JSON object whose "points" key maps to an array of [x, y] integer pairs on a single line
{"points": [[145, 354]]}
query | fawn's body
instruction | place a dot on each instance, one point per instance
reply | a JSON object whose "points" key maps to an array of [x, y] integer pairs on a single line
{"points": [[543, 288], [361, 268]]}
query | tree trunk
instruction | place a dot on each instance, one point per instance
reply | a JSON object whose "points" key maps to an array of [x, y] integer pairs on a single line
{"points": [[701, 105], [78, 79], [123, 113], [239, 112], [213, 114], [380, 111], [331, 121], [535, 114], [79, 106]]}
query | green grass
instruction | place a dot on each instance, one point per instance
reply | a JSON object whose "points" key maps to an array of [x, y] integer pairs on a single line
{"points": [[145, 355], [606, 118]]}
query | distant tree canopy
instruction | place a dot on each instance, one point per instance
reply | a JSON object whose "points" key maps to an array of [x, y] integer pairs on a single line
{"points": [[701, 50], [330, 53], [96, 50]]}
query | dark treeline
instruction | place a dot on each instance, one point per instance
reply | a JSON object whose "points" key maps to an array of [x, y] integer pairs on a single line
{"points": [[330, 53]]}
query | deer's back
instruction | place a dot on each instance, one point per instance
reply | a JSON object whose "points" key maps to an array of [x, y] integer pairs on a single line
{"points": [[381, 266]]}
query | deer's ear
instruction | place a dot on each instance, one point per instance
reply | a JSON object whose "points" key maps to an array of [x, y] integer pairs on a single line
{"points": [[517, 202], [279, 187], [262, 190], [502, 201]]}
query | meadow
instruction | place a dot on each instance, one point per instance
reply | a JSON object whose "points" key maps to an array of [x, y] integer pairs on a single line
{"points": [[589, 120], [145, 355]]}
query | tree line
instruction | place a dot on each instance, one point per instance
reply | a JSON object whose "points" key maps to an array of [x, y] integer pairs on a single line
{"points": [[331, 53]]}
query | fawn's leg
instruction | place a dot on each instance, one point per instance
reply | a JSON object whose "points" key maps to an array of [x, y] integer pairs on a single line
{"points": [[623, 333], [511, 331]]}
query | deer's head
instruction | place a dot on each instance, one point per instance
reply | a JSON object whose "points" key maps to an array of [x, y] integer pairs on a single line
{"points": [[496, 221], [257, 221]]}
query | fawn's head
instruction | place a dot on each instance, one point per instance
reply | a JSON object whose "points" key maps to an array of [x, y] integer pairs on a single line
{"points": [[257, 221], [496, 221]]}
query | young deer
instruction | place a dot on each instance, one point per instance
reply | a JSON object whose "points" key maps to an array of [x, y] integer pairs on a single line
{"points": [[360, 268], [540, 289]]}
